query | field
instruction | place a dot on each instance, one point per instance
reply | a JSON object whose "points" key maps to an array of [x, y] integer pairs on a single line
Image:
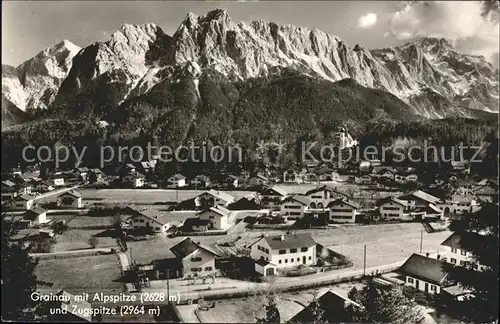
{"points": [[90, 273], [144, 196], [77, 239]]}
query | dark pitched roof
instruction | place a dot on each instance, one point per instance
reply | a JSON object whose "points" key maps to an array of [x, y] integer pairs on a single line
{"points": [[456, 240], [301, 199], [329, 188], [343, 201], [190, 222], [334, 308], [421, 267], [262, 262], [188, 246], [420, 195], [33, 213], [382, 201], [73, 193], [25, 197], [290, 241]]}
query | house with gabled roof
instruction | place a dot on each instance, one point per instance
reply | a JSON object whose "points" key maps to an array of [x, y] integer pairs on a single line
{"points": [[134, 179], [35, 216], [284, 251], [70, 199], [290, 176], [197, 260], [295, 205], [454, 249], [392, 208], [217, 217], [176, 181], [200, 181], [428, 275], [343, 210], [149, 220], [321, 196], [23, 202], [271, 197], [334, 308], [212, 198], [420, 198]]}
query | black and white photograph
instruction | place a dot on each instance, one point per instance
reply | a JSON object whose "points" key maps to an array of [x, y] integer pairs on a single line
{"points": [[250, 161]]}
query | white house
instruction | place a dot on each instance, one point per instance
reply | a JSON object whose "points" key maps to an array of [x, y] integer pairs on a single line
{"points": [[420, 199], [150, 222], [197, 260], [23, 202], [459, 204], [425, 274], [176, 181], [284, 251], [393, 208], [213, 198], [452, 250], [135, 179], [217, 216], [58, 180], [290, 176], [231, 181], [295, 205], [70, 199], [200, 181], [271, 197], [343, 211], [321, 196], [35, 216]]}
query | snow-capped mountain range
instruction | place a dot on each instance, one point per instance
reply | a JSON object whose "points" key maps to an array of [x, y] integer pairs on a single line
{"points": [[428, 74]]}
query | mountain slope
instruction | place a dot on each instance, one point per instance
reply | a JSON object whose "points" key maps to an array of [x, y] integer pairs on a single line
{"points": [[428, 75], [35, 83]]}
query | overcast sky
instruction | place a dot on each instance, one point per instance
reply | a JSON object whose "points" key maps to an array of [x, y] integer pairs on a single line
{"points": [[29, 27]]}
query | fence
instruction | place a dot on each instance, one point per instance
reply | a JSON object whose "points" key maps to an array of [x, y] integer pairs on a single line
{"points": [[70, 255]]}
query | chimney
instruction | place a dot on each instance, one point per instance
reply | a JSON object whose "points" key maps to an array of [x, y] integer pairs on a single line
{"points": [[427, 254], [438, 256]]}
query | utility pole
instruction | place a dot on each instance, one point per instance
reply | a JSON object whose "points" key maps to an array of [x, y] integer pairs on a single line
{"points": [[421, 239], [364, 261]]}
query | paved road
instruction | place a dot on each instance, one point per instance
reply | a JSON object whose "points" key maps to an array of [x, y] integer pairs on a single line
{"points": [[229, 289]]}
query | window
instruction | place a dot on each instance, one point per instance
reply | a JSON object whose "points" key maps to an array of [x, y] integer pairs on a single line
{"points": [[293, 250], [141, 220], [157, 228], [304, 249], [286, 260], [279, 261], [463, 252], [208, 268], [453, 250], [475, 266], [282, 252], [433, 288], [291, 260], [310, 258], [463, 263], [410, 280], [196, 259], [211, 217], [453, 260], [266, 250], [195, 269]]}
